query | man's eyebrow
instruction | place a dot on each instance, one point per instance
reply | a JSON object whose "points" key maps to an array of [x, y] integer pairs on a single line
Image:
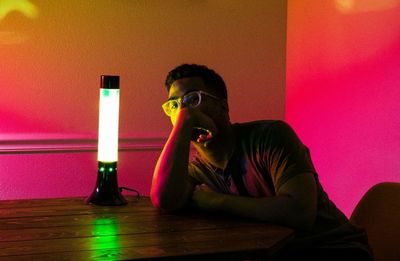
{"points": [[176, 97], [193, 90], [173, 98]]}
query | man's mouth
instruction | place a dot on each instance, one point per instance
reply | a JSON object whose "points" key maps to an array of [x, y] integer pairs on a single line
{"points": [[201, 135]]}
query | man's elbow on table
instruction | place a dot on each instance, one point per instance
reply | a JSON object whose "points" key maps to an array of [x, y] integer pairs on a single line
{"points": [[288, 211], [167, 202], [301, 201]]}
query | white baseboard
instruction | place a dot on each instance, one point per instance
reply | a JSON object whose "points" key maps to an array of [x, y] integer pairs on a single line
{"points": [[75, 145]]}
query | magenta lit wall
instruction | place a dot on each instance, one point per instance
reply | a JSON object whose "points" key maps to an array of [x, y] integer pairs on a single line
{"points": [[343, 91]]}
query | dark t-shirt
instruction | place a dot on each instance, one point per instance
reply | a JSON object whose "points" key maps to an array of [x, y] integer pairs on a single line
{"points": [[267, 154]]}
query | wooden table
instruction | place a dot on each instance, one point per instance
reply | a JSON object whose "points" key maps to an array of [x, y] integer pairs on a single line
{"points": [[68, 229]]}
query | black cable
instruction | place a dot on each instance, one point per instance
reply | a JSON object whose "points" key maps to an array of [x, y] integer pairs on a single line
{"points": [[138, 196]]}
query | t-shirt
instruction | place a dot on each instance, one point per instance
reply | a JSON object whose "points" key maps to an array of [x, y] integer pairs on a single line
{"points": [[267, 154]]}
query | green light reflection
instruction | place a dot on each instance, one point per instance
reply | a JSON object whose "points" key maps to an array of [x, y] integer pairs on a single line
{"points": [[105, 241]]}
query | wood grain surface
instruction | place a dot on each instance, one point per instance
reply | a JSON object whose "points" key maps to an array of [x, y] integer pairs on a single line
{"points": [[69, 229]]}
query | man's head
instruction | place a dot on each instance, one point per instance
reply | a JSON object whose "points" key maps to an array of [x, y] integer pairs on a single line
{"points": [[204, 92], [213, 81]]}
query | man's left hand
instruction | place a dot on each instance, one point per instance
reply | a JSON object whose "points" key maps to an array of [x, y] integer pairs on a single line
{"points": [[205, 198]]}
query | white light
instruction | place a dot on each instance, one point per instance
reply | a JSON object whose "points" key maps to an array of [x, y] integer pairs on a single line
{"points": [[108, 125]]}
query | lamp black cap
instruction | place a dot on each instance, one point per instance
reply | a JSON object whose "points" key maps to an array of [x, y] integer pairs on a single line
{"points": [[109, 82]]}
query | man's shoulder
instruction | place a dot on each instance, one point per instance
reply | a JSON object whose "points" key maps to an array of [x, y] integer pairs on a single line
{"points": [[275, 131], [258, 125]]}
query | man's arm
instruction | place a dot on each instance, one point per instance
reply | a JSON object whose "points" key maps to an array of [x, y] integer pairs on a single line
{"points": [[294, 205], [171, 188]]}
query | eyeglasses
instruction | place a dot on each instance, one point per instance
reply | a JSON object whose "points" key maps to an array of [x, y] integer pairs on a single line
{"points": [[191, 99]]}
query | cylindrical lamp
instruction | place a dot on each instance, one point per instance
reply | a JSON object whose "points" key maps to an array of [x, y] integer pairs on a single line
{"points": [[106, 191]]}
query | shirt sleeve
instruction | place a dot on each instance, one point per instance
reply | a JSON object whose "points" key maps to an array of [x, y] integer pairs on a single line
{"points": [[285, 156], [193, 171]]}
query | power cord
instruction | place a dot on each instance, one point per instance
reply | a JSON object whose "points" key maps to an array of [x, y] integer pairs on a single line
{"points": [[138, 196]]}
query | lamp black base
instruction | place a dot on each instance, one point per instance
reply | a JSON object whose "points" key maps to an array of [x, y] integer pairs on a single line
{"points": [[106, 192]]}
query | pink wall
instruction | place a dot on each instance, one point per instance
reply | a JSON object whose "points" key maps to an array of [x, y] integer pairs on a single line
{"points": [[343, 91], [52, 55], [48, 175]]}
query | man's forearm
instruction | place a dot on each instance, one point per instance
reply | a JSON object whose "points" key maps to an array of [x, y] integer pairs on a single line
{"points": [[278, 209], [290, 207], [282, 210], [171, 188]]}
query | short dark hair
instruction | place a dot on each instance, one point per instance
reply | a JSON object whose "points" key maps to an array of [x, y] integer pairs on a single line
{"points": [[210, 78]]}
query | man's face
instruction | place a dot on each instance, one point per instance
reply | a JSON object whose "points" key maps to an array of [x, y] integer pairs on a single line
{"points": [[210, 113]]}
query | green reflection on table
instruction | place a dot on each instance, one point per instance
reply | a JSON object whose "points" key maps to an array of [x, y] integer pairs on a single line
{"points": [[105, 241]]}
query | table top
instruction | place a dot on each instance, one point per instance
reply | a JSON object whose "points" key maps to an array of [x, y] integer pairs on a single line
{"points": [[68, 229]]}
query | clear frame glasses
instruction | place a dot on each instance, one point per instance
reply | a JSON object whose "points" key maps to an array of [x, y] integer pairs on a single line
{"points": [[191, 99]]}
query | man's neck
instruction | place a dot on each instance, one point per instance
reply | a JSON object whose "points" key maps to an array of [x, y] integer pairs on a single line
{"points": [[220, 152]]}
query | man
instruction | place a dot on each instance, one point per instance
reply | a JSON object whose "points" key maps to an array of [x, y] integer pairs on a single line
{"points": [[258, 170]]}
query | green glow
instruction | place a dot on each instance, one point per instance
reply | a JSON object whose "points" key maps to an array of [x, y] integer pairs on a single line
{"points": [[106, 243], [23, 6], [108, 125]]}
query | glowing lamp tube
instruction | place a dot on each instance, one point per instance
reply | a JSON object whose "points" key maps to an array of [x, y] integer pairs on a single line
{"points": [[106, 191]]}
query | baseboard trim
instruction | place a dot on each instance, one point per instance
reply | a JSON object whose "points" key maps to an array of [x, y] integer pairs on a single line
{"points": [[76, 145]]}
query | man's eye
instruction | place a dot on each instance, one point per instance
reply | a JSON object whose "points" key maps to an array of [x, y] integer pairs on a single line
{"points": [[173, 105], [191, 99]]}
